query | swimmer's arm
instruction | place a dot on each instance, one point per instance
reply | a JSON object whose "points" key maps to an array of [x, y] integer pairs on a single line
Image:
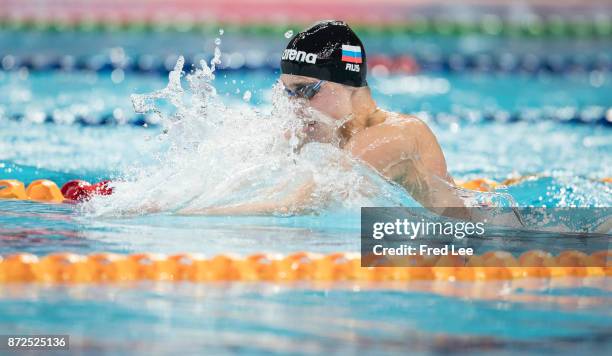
{"points": [[295, 203], [408, 153]]}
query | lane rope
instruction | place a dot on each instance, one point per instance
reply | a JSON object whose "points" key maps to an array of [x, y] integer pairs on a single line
{"points": [[490, 25], [44, 190], [503, 62], [589, 115], [301, 266]]}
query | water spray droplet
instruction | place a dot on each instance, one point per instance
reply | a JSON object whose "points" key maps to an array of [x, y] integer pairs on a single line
{"points": [[288, 34], [247, 96]]}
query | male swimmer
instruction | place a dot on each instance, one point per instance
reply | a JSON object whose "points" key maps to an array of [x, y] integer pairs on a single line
{"points": [[325, 68]]}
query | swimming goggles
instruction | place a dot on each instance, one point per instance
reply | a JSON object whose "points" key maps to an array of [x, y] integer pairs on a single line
{"points": [[307, 91]]}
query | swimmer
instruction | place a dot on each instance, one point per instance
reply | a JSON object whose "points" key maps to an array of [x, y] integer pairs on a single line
{"points": [[324, 68]]}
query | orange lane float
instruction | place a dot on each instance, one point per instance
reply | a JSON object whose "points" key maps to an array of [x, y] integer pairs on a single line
{"points": [[480, 184], [301, 266], [44, 190], [12, 189]]}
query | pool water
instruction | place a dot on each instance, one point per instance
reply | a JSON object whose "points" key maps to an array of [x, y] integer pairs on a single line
{"points": [[571, 317], [568, 316]]}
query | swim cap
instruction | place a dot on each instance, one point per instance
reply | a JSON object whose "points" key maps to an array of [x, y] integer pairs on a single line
{"points": [[328, 50]]}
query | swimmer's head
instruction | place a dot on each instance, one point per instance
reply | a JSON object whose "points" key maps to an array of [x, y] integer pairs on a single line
{"points": [[329, 51], [325, 66]]}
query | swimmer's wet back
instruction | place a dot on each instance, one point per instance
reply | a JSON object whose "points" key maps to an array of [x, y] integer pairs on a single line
{"points": [[328, 50]]}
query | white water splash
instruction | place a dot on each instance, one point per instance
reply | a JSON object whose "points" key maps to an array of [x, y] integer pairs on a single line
{"points": [[223, 156], [219, 156], [247, 96]]}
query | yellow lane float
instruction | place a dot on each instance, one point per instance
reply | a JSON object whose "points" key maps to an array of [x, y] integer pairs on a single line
{"points": [[301, 266]]}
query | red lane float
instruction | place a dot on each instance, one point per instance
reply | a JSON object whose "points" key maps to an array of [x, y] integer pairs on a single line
{"points": [[102, 188], [80, 190], [76, 190]]}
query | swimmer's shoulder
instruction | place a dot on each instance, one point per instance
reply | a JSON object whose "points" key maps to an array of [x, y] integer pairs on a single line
{"points": [[402, 129], [396, 139], [392, 123]]}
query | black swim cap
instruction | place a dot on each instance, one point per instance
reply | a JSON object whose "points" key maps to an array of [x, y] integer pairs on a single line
{"points": [[328, 50]]}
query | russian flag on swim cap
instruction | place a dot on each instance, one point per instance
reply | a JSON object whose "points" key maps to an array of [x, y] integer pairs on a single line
{"points": [[351, 54]]}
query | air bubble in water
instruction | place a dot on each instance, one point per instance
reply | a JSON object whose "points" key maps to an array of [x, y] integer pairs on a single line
{"points": [[288, 34], [221, 31], [217, 41]]}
